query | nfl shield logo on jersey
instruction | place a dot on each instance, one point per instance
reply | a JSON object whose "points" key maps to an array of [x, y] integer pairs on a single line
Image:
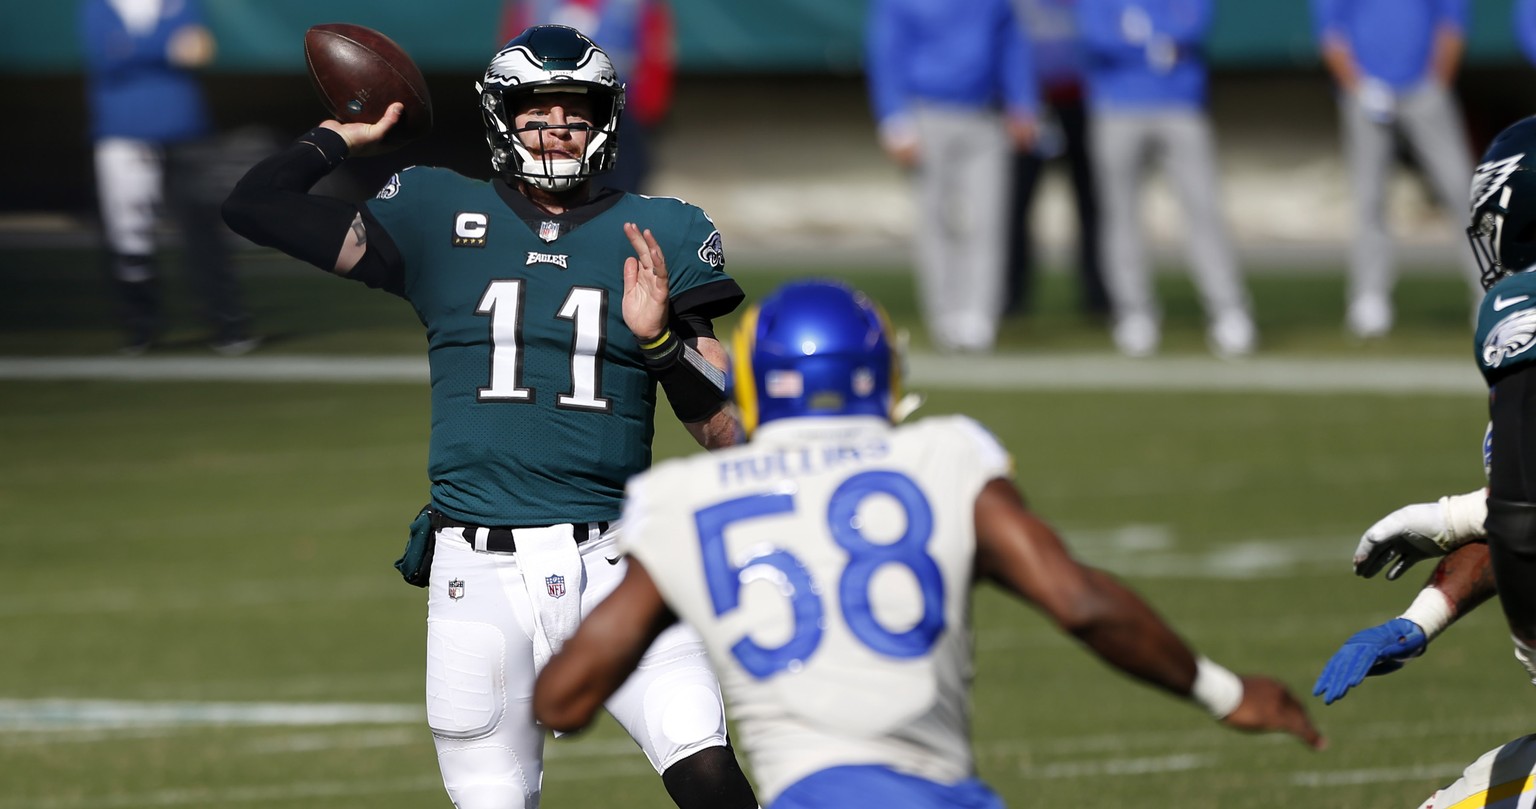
{"points": [[456, 589], [555, 585], [549, 231]]}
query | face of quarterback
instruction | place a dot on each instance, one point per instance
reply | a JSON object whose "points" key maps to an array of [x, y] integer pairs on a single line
{"points": [[555, 126]]}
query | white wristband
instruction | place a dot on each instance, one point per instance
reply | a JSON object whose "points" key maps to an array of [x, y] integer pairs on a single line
{"points": [[1464, 517], [1431, 610], [1217, 689]]}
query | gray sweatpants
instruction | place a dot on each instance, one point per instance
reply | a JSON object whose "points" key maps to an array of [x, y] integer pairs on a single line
{"points": [[1124, 142], [962, 188], [1430, 121]]}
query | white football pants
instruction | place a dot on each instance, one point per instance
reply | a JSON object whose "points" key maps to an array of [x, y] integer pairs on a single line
{"points": [[1503, 778], [481, 671]]}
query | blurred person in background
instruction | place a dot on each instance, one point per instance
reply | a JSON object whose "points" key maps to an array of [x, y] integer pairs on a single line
{"points": [[1394, 62], [850, 684], [151, 130], [1146, 96], [552, 315], [954, 96], [1525, 27], [1051, 26], [639, 37]]}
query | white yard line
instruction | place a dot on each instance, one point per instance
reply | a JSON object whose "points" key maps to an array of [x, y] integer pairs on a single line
{"points": [[41, 715], [1056, 372]]}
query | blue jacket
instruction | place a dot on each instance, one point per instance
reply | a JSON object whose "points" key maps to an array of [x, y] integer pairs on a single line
{"points": [[1051, 26], [1145, 54], [969, 53], [1392, 40], [1525, 27], [132, 88]]}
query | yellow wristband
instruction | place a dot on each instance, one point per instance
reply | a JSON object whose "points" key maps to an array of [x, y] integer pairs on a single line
{"points": [[665, 334]]}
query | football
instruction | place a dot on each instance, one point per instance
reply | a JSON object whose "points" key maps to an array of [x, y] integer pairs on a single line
{"points": [[358, 72]]}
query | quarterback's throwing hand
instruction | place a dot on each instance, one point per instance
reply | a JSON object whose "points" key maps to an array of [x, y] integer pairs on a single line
{"points": [[646, 289], [364, 139], [1379, 650]]}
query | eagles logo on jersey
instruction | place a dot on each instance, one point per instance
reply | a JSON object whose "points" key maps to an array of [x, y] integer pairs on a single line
{"points": [[712, 251], [1509, 338]]}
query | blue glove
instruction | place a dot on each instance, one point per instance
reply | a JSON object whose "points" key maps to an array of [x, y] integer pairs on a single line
{"points": [[1378, 650]]}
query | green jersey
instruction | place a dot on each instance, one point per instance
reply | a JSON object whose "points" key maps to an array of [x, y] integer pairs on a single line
{"points": [[542, 406], [1506, 326]]}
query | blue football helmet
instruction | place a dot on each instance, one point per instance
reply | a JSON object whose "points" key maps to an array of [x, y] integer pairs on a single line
{"points": [[814, 348]]}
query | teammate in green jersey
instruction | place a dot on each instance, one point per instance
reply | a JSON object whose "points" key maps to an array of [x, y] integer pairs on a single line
{"points": [[552, 309]]}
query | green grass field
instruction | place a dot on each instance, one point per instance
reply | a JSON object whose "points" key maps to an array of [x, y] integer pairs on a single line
{"points": [[206, 547]]}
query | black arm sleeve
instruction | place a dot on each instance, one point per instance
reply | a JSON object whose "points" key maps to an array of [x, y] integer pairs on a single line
{"points": [[1511, 522], [272, 206], [1512, 409]]}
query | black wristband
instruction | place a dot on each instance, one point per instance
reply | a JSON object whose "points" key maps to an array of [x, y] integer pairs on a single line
{"points": [[695, 389], [663, 352], [331, 145]]}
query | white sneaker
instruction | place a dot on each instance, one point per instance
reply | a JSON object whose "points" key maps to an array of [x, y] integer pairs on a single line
{"points": [[1369, 317], [1136, 336], [1232, 336]]}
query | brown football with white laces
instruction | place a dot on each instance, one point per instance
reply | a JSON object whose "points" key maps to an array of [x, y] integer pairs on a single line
{"points": [[358, 72]]}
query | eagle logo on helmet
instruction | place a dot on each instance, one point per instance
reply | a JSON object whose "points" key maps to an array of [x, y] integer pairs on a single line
{"points": [[1491, 176], [1510, 337]]}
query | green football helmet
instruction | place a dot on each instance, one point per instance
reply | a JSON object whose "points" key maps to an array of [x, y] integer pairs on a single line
{"points": [[1503, 227]]}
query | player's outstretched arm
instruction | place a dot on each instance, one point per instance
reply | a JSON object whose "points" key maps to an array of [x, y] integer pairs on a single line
{"points": [[606, 648], [1023, 554], [1462, 581]]}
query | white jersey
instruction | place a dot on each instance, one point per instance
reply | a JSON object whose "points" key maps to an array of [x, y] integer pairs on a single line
{"points": [[828, 567]]}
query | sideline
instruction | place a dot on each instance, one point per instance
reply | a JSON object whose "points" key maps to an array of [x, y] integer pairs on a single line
{"points": [[1059, 372]]}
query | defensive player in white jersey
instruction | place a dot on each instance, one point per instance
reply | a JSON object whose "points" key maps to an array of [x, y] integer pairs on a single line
{"points": [[828, 566]]}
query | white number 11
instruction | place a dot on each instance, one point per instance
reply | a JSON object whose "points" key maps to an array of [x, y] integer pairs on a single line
{"points": [[585, 307]]}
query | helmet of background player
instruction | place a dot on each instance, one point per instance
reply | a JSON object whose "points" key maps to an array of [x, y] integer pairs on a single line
{"points": [[814, 348], [550, 59], [1503, 228]]}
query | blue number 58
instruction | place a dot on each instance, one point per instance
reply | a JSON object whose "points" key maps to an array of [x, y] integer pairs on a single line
{"points": [[864, 559]]}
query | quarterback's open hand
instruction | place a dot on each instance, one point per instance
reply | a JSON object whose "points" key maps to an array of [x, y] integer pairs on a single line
{"points": [[1379, 650], [646, 290], [1402, 539], [365, 139], [1269, 706]]}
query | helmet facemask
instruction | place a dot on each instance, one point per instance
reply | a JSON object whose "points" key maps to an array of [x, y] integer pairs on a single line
{"points": [[1502, 229], [1484, 234], [550, 59]]}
